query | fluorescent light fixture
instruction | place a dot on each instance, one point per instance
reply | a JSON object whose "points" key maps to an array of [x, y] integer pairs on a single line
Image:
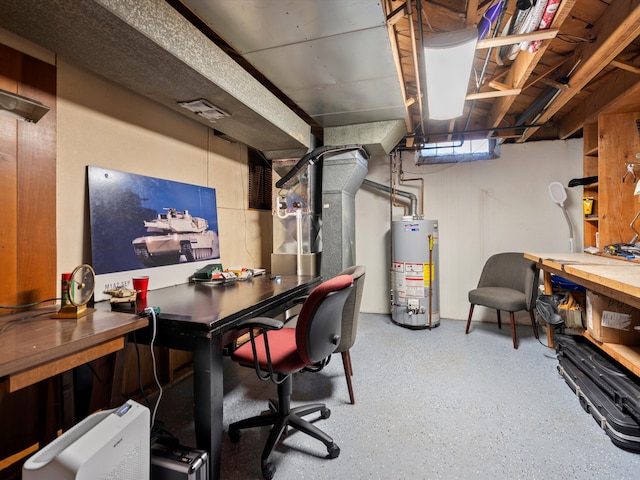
{"points": [[448, 61], [21, 108], [205, 109]]}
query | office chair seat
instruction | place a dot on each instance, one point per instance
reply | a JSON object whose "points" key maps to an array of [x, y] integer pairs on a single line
{"points": [[276, 353]]}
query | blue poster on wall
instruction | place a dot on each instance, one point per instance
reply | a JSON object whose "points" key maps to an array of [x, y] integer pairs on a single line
{"points": [[139, 222]]}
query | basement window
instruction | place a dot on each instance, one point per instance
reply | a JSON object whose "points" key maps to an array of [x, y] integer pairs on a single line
{"points": [[259, 181], [460, 151]]}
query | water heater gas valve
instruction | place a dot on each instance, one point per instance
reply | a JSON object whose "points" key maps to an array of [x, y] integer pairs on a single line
{"points": [[413, 307]]}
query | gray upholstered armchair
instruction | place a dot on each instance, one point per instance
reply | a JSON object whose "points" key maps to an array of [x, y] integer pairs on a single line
{"points": [[508, 282]]}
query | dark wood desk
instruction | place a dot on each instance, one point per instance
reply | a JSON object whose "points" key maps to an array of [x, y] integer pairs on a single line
{"points": [[201, 318]]}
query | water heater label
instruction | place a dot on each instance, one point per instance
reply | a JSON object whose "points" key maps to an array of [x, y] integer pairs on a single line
{"points": [[416, 268], [428, 274]]}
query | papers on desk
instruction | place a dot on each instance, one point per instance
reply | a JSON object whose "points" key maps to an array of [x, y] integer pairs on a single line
{"points": [[229, 275], [217, 278]]}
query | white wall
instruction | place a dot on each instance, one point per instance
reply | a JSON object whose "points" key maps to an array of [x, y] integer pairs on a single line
{"points": [[482, 208]]}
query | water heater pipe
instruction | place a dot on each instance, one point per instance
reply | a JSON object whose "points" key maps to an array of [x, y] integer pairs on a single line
{"points": [[413, 207]]}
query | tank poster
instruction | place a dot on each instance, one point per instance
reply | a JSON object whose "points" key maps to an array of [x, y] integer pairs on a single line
{"points": [[140, 222]]}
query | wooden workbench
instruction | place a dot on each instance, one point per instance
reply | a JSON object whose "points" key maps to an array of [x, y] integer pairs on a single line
{"points": [[616, 278]]}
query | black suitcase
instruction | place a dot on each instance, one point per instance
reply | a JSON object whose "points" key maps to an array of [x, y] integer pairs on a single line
{"points": [[578, 366], [621, 427], [178, 463], [610, 377]]}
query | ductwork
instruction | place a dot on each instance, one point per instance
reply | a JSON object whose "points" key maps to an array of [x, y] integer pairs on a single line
{"points": [[378, 138], [148, 47]]}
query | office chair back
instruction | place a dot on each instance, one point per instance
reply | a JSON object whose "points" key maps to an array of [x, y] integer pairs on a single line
{"points": [[351, 308], [318, 329]]}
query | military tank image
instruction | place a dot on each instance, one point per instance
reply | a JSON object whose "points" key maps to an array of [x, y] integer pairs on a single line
{"points": [[175, 235]]}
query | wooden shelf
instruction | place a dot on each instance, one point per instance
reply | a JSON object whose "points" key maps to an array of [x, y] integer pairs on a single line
{"points": [[626, 355], [607, 146], [590, 139], [590, 169], [593, 152]]}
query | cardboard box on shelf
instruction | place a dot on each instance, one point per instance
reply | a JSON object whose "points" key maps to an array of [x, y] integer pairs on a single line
{"points": [[611, 321]]}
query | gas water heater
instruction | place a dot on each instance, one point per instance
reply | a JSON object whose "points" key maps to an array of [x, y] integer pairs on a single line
{"points": [[415, 279]]}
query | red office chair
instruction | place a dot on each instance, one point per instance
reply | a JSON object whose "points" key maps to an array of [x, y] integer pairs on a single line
{"points": [[279, 352]]}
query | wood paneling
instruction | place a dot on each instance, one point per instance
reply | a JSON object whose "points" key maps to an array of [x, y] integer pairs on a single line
{"points": [[28, 185], [27, 238], [619, 141], [36, 235], [9, 69]]}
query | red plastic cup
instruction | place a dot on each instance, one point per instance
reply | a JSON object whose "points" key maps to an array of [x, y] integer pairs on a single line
{"points": [[141, 286]]}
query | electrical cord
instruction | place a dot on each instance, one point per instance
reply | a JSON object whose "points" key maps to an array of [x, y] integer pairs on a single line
{"points": [[13, 307], [140, 385], [546, 346], [10, 323], [152, 311]]}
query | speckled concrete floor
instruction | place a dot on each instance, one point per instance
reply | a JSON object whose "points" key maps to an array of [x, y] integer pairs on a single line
{"points": [[430, 404]]}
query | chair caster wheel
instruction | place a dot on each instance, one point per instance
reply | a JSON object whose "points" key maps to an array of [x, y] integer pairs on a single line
{"points": [[325, 413], [234, 435], [268, 471], [334, 450]]}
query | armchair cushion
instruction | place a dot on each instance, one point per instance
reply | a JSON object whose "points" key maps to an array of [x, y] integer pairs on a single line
{"points": [[499, 298]]}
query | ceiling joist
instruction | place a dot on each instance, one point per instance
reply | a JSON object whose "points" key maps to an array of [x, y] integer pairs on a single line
{"points": [[615, 30]]}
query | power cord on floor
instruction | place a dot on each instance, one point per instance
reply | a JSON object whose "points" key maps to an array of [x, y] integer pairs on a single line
{"points": [[544, 345]]}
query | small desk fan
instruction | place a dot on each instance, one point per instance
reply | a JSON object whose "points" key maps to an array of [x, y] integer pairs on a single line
{"points": [[79, 289]]}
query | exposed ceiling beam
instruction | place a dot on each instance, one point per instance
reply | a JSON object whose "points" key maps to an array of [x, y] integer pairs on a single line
{"points": [[548, 71], [392, 19], [493, 94], [513, 39], [447, 19], [625, 66], [613, 93], [472, 11], [616, 29], [397, 15], [523, 66]]}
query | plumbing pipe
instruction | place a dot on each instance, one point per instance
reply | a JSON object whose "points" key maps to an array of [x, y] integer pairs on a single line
{"points": [[383, 188]]}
